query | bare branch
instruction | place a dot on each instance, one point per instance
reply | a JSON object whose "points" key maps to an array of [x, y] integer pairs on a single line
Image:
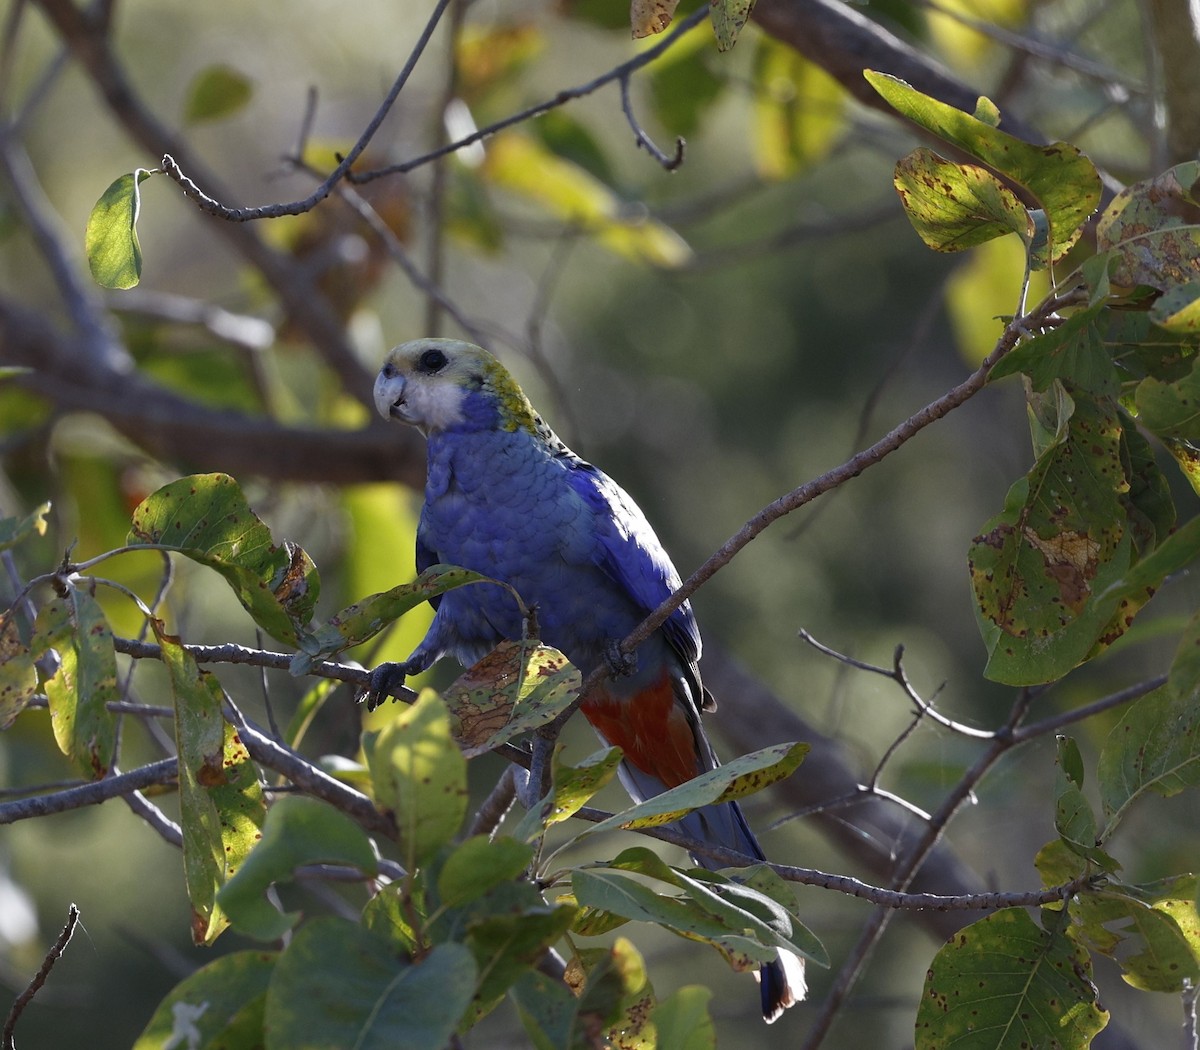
{"points": [[669, 163], [26, 997], [164, 771], [274, 211], [617, 73]]}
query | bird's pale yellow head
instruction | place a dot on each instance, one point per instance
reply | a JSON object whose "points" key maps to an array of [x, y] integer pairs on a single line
{"points": [[447, 384]]}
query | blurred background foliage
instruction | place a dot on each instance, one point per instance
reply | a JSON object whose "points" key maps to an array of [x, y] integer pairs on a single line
{"points": [[712, 337]]}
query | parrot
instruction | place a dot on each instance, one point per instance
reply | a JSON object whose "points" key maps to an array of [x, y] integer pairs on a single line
{"points": [[505, 497]]}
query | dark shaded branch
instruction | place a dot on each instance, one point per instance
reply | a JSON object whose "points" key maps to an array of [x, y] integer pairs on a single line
{"points": [[844, 42], [174, 429]]}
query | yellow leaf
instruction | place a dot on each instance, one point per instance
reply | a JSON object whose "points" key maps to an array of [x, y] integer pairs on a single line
{"points": [[647, 17]]}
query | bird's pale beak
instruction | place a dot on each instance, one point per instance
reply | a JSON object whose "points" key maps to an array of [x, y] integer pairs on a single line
{"points": [[389, 397]]}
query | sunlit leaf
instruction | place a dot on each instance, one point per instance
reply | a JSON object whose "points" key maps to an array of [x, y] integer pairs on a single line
{"points": [[1016, 984], [218, 1007], [15, 530], [220, 799], [216, 92], [111, 241], [364, 619], [298, 830], [574, 786], [206, 518], [338, 985], [420, 777], [957, 206], [1153, 935], [513, 690], [743, 776], [521, 165], [85, 681], [1178, 308], [1058, 177]]}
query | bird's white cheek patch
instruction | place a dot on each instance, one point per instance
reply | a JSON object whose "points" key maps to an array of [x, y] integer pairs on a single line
{"points": [[435, 406]]}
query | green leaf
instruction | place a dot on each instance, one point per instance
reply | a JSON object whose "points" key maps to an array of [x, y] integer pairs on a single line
{"points": [[1171, 409], [520, 164], [1073, 817], [1062, 181], [728, 19], [516, 688], [111, 241], [1152, 229], [1156, 744], [799, 110], [1178, 308], [338, 985], [85, 682], [1005, 984], [478, 865], [298, 830], [683, 1022], [743, 776], [1060, 541], [509, 931], [216, 92], [957, 206], [15, 530], [1074, 352], [364, 619], [619, 968], [683, 85], [420, 777], [206, 518], [552, 1015], [18, 674], [1151, 931], [1057, 864], [218, 1007], [574, 786], [220, 799]]}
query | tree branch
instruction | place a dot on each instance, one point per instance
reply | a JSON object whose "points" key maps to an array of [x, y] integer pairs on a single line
{"points": [[39, 979]]}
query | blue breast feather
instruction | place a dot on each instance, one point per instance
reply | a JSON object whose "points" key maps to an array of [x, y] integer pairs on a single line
{"points": [[561, 532]]}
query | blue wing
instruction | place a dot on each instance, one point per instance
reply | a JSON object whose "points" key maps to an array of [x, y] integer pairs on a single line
{"points": [[631, 555]]}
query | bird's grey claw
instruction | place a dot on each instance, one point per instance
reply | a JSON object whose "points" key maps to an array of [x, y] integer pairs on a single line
{"points": [[385, 681], [620, 663]]}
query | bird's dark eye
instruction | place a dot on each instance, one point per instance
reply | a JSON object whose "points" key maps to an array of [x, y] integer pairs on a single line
{"points": [[431, 362]]}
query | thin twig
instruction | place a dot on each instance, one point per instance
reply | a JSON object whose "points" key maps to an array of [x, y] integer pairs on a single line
{"points": [[26, 997], [164, 771], [298, 207], [499, 801], [670, 163], [639, 60], [891, 899]]}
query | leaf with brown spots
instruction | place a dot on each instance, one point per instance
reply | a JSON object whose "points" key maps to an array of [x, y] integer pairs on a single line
{"points": [[364, 619], [1004, 983], [1058, 179], [743, 776], [648, 17], [1151, 930], [18, 675], [220, 800], [516, 688], [86, 679], [206, 518], [1153, 230]]}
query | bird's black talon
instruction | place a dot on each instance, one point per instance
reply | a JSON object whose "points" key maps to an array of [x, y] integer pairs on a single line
{"points": [[620, 663], [385, 681]]}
